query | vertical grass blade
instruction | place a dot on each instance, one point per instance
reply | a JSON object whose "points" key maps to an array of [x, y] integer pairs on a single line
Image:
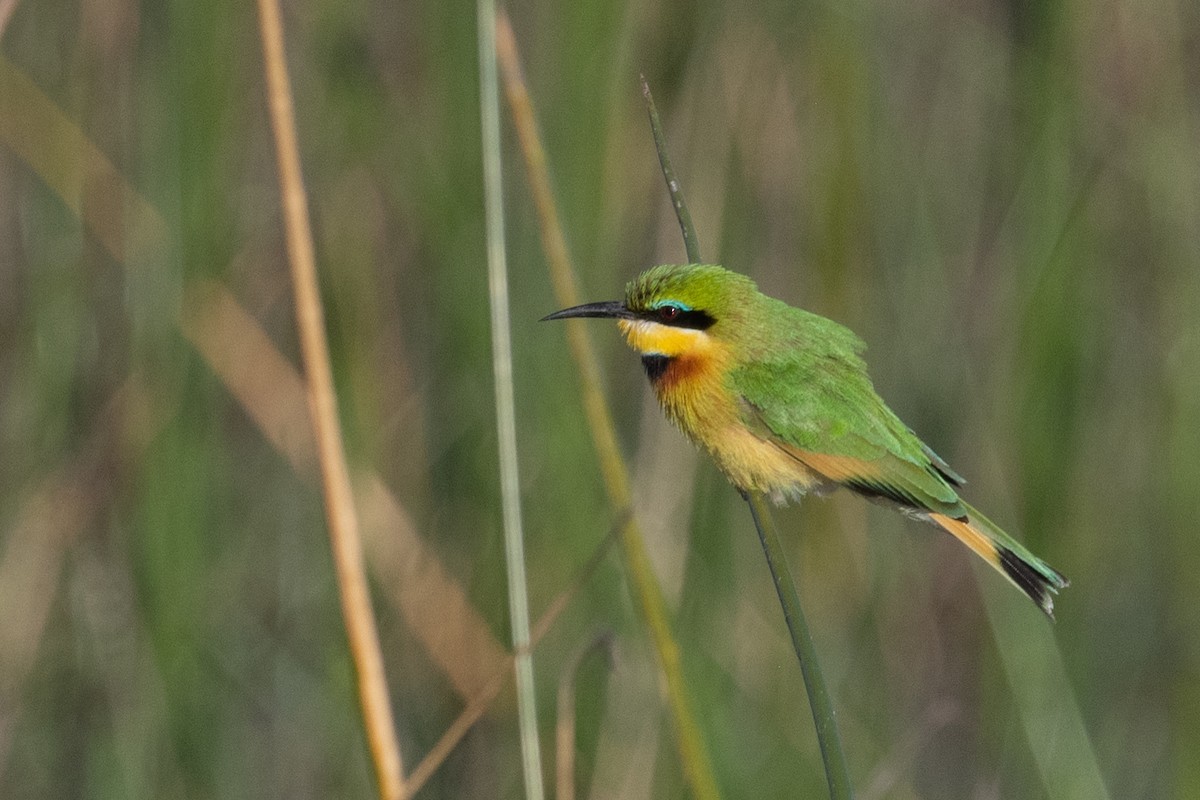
{"points": [[335, 479], [564, 756], [480, 703], [514, 547], [806, 653], [693, 755], [691, 242], [1045, 700]]}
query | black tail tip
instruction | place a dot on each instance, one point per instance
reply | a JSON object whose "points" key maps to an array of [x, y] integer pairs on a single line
{"points": [[1040, 581]]}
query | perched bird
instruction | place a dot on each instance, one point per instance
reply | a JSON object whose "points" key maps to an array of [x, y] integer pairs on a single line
{"points": [[781, 400]]}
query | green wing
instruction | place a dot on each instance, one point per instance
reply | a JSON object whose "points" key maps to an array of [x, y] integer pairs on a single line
{"points": [[815, 400]]}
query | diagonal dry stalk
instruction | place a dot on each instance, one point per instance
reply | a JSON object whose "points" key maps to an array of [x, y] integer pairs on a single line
{"points": [[272, 393], [243, 358], [478, 704], [693, 754], [335, 478]]}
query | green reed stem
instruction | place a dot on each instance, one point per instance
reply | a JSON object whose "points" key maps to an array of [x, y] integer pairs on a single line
{"points": [[514, 546], [818, 696], [690, 242], [693, 755], [806, 653]]}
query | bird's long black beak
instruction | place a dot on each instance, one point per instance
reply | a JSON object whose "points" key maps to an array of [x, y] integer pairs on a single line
{"points": [[612, 309]]}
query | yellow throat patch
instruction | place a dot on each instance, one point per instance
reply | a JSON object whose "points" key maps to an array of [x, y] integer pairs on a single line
{"points": [[652, 338]]}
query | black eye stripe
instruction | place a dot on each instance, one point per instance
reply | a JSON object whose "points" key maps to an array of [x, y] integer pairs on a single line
{"points": [[699, 320], [691, 318]]}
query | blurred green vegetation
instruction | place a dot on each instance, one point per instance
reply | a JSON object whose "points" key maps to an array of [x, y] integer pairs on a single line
{"points": [[1001, 198]]}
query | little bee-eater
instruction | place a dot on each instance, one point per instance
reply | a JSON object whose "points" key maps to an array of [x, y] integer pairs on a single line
{"points": [[781, 400]]}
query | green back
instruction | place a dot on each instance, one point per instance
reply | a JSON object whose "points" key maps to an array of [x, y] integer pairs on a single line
{"points": [[804, 383]]}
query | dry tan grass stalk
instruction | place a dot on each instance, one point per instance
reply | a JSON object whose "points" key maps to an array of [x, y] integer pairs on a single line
{"points": [[487, 694], [335, 476], [271, 392], [697, 767]]}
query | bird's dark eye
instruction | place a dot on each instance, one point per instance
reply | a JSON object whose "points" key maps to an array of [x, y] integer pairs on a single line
{"points": [[668, 313]]}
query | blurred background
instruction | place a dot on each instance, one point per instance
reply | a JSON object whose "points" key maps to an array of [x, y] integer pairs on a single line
{"points": [[1001, 198]]}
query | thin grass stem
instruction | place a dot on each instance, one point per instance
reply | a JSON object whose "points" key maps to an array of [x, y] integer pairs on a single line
{"points": [[697, 767], [806, 653], [335, 478], [564, 755], [483, 698], [690, 241], [514, 541]]}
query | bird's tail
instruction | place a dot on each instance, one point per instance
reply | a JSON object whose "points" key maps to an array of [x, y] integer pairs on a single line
{"points": [[1027, 572]]}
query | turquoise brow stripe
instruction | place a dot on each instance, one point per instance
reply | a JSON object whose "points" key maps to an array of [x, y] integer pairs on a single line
{"points": [[676, 303]]}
